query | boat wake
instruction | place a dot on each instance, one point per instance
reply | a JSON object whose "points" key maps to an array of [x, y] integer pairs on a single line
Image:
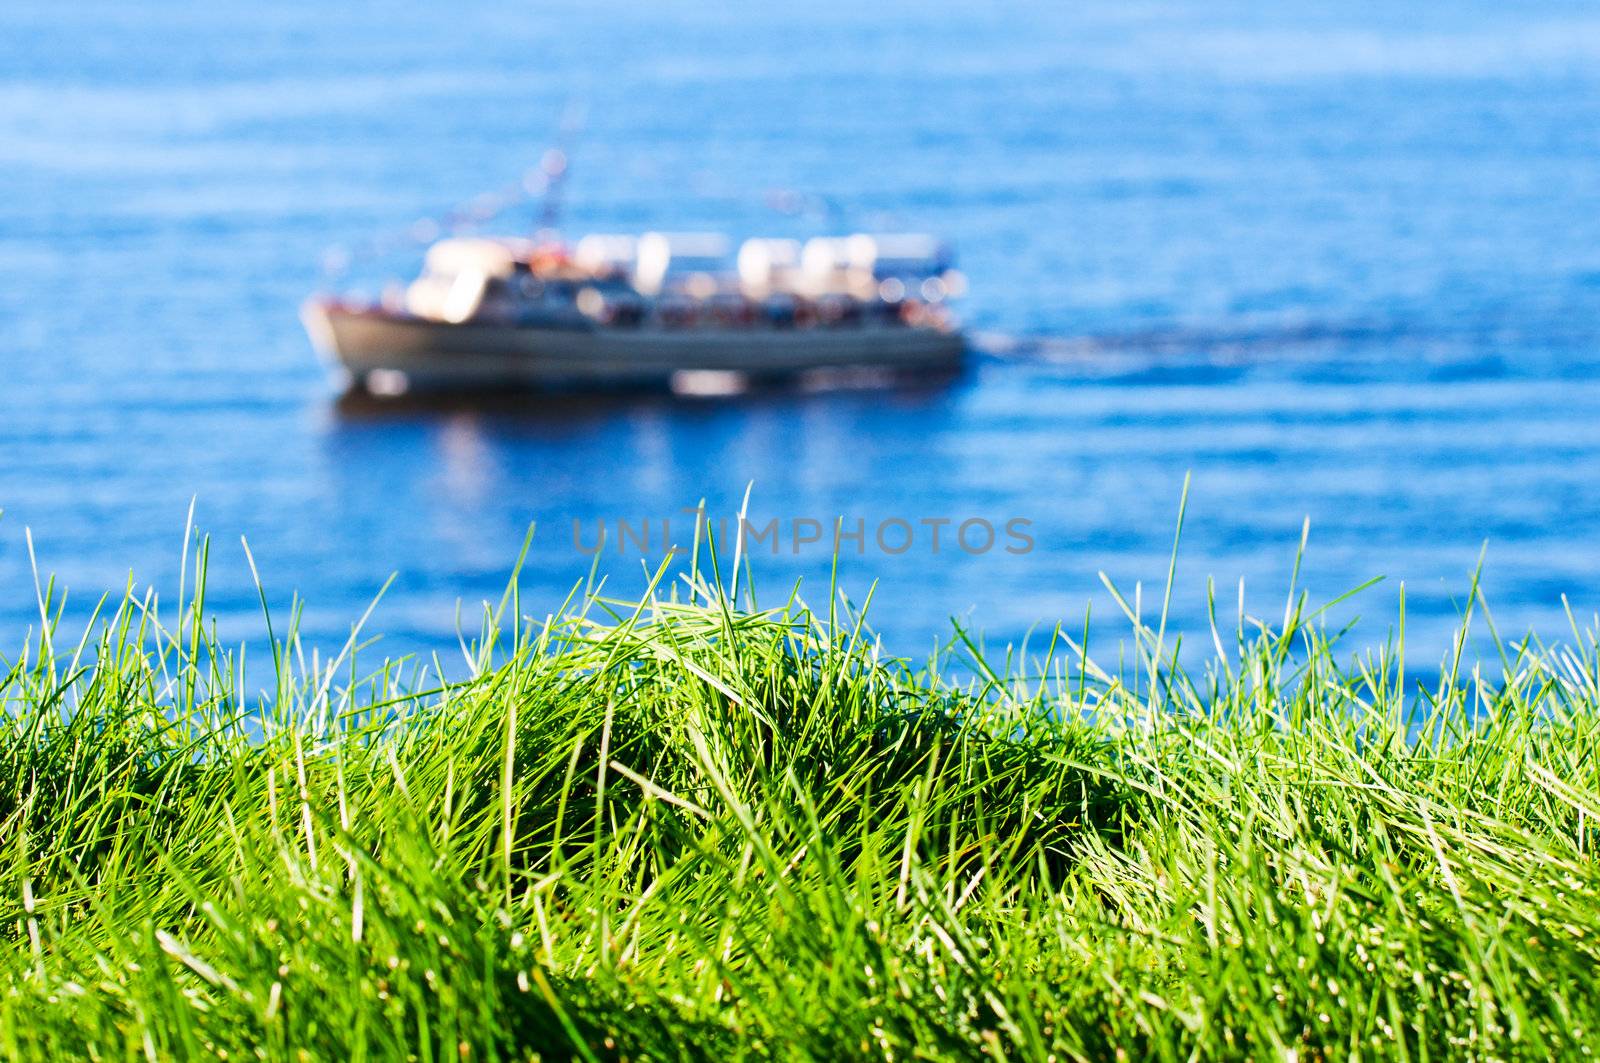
{"points": [[1251, 342]]}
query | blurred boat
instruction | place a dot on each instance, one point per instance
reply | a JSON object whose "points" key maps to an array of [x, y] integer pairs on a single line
{"points": [[654, 310]]}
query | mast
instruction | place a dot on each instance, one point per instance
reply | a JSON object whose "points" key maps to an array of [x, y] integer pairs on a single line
{"points": [[549, 177]]}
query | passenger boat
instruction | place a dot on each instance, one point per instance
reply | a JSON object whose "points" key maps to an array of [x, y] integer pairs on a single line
{"points": [[654, 310]]}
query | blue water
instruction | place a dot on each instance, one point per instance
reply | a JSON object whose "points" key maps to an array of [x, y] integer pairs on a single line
{"points": [[1342, 262]]}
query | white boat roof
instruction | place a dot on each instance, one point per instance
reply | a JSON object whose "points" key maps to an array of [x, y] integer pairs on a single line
{"points": [[655, 255], [492, 257], [661, 255], [605, 249], [909, 252], [686, 245]]}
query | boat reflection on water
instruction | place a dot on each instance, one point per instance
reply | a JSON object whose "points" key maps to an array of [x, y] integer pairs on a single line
{"points": [[687, 392], [485, 467]]}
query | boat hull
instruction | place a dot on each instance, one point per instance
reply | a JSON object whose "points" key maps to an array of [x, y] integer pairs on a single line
{"points": [[478, 355]]}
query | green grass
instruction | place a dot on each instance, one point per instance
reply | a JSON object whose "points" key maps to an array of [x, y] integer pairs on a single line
{"points": [[690, 828]]}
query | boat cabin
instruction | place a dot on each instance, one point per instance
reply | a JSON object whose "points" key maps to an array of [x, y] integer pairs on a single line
{"points": [[684, 279]]}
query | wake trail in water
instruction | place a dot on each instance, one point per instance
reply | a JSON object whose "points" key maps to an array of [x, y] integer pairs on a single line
{"points": [[1247, 341]]}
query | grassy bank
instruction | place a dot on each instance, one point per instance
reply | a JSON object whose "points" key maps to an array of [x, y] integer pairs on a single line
{"points": [[681, 829]]}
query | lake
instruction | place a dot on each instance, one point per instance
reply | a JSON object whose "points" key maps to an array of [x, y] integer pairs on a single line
{"points": [[1342, 264]]}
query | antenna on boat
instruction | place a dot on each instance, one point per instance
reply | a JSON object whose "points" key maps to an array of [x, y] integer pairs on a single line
{"points": [[549, 177], [544, 181], [797, 203]]}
